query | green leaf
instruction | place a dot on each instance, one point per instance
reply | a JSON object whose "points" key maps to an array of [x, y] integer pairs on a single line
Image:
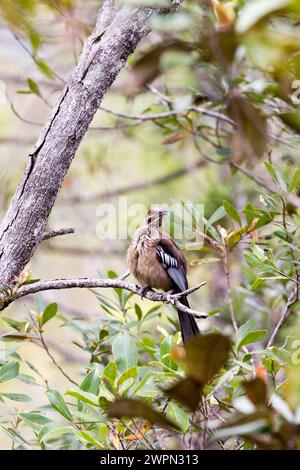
{"points": [[271, 365], [255, 11], [53, 431], [59, 404], [87, 437], [276, 175], [178, 416], [91, 381], [124, 350], [257, 259], [85, 397], [244, 330], [17, 438], [295, 183], [17, 325], [205, 355], [292, 119], [110, 372], [16, 397], [34, 418], [129, 408], [128, 374], [246, 334], [138, 311], [33, 87], [44, 68], [232, 212], [39, 303], [9, 371], [217, 215], [49, 312], [166, 347]]}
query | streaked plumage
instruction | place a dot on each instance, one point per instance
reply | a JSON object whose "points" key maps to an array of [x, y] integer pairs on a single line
{"points": [[157, 262]]}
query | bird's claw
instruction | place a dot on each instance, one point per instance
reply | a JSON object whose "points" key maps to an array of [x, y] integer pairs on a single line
{"points": [[144, 291], [168, 298]]}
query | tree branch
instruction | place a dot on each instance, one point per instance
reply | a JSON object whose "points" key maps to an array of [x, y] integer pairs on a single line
{"points": [[57, 233], [141, 185], [58, 284], [162, 115]]}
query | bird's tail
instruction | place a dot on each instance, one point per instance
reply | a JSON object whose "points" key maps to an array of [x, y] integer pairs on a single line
{"points": [[188, 325]]}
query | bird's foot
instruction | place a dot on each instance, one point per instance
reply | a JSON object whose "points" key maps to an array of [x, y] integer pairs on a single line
{"points": [[168, 296], [144, 290]]}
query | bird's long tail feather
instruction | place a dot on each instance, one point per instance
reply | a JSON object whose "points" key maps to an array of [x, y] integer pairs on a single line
{"points": [[188, 325]]}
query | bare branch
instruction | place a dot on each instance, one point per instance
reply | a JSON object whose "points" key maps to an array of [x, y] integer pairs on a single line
{"points": [[57, 233], [18, 115], [190, 290], [50, 355], [142, 117], [293, 298], [156, 116], [161, 180], [120, 126], [268, 184], [58, 284]]}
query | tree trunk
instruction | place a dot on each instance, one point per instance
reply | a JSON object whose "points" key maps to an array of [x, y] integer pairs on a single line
{"points": [[115, 37]]}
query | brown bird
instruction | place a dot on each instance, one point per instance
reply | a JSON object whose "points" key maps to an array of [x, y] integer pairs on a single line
{"points": [[157, 262]]}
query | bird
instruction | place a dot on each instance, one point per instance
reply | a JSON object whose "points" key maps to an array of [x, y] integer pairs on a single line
{"points": [[156, 261]]}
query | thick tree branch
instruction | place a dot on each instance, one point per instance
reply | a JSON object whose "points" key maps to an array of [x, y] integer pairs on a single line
{"points": [[23, 227], [58, 284]]}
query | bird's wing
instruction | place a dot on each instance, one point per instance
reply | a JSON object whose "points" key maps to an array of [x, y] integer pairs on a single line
{"points": [[173, 261]]}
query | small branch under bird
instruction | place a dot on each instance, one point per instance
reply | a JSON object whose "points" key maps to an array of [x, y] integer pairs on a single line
{"points": [[156, 261]]}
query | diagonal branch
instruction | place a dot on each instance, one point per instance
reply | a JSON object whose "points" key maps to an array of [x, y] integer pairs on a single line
{"points": [[139, 186], [57, 233], [293, 298]]}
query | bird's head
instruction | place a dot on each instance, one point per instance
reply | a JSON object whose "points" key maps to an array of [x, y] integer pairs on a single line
{"points": [[155, 217]]}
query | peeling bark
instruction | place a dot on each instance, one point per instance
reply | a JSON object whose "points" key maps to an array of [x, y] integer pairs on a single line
{"points": [[115, 37]]}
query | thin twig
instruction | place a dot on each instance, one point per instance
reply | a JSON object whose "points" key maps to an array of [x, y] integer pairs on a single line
{"points": [[190, 290], [153, 117], [161, 180], [17, 114], [293, 298], [121, 125], [54, 360], [57, 233]]}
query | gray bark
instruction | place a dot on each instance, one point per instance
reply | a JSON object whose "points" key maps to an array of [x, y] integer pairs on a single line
{"points": [[119, 31], [58, 284]]}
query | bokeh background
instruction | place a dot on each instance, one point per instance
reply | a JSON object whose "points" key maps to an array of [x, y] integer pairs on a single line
{"points": [[39, 49]]}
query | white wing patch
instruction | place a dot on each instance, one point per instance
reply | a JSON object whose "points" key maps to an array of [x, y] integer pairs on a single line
{"points": [[166, 260]]}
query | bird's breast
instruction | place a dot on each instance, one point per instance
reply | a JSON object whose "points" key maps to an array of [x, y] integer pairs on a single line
{"points": [[145, 266]]}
